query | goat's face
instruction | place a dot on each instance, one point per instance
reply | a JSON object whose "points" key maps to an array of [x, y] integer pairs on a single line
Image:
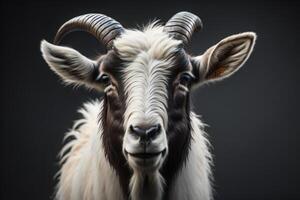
{"points": [[147, 77], [156, 78]]}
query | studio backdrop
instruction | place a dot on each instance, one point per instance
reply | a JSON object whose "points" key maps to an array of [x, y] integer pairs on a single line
{"points": [[252, 117]]}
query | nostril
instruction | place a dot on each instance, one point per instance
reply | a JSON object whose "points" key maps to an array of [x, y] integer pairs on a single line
{"points": [[131, 129], [137, 130], [153, 131]]}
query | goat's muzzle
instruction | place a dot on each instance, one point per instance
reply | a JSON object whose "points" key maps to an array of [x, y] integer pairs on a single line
{"points": [[145, 146]]}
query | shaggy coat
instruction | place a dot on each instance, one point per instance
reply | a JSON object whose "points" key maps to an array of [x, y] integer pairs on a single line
{"points": [[87, 174]]}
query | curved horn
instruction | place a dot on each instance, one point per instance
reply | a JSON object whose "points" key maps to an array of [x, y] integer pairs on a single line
{"points": [[182, 26], [104, 28]]}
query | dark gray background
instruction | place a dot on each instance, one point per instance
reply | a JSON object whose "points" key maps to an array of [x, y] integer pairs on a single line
{"points": [[253, 116]]}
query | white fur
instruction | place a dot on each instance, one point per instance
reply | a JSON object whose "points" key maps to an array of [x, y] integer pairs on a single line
{"points": [[149, 57], [86, 173], [148, 54]]}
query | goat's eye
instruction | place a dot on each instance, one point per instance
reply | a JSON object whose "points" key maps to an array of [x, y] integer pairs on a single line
{"points": [[186, 78], [103, 79]]}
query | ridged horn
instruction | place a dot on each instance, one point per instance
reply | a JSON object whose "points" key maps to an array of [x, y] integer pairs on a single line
{"points": [[182, 26], [104, 28]]}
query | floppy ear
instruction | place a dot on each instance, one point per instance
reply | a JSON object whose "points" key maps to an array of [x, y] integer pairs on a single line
{"points": [[223, 59], [70, 65]]}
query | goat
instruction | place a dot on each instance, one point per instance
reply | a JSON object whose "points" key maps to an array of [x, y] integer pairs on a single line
{"points": [[141, 141]]}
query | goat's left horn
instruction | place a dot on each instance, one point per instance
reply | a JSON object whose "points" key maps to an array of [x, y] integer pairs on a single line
{"points": [[104, 28], [182, 26]]}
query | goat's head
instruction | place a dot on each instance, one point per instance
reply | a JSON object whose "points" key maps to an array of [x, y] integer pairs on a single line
{"points": [[146, 76]]}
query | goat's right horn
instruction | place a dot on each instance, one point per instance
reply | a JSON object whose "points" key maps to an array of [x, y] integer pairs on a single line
{"points": [[104, 28]]}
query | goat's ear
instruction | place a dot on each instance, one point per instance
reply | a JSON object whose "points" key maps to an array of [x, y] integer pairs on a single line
{"points": [[70, 65], [223, 59]]}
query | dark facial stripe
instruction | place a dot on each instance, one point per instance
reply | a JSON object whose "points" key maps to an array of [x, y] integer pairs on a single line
{"points": [[112, 121], [179, 137]]}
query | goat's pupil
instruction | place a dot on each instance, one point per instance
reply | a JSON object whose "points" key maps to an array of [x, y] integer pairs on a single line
{"points": [[186, 79], [104, 79]]}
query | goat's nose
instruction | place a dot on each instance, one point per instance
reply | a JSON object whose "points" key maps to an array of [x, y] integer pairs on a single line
{"points": [[145, 133]]}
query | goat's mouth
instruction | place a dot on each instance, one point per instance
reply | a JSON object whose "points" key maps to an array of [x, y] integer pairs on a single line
{"points": [[146, 161], [145, 155]]}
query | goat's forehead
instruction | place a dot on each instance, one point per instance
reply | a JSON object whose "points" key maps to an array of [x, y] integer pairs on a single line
{"points": [[152, 42]]}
